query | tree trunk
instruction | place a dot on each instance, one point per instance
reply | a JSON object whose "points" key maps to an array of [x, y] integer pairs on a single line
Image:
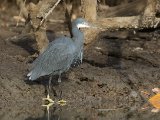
{"points": [[76, 9], [37, 15], [89, 9], [103, 2], [149, 14], [22, 7]]}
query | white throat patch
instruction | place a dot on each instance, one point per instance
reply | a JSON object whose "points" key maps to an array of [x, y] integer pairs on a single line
{"points": [[82, 26]]}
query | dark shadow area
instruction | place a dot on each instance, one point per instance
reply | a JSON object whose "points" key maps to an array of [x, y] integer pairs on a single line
{"points": [[50, 35], [114, 52], [115, 58], [25, 42], [108, 47], [28, 43], [149, 30], [93, 63]]}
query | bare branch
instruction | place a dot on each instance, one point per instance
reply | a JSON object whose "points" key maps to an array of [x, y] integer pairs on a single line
{"points": [[46, 14], [147, 20]]}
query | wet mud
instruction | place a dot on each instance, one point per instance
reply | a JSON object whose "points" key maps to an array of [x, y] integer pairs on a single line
{"points": [[117, 67]]}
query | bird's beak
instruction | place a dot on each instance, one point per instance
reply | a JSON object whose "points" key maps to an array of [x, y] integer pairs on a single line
{"points": [[89, 25], [86, 25]]}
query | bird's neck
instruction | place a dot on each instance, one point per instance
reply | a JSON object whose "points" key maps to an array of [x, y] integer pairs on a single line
{"points": [[77, 34]]}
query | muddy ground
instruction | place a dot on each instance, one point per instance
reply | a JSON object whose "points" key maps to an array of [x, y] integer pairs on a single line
{"points": [[117, 67]]}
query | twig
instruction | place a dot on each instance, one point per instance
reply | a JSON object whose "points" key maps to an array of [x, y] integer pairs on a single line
{"points": [[55, 21], [49, 12], [109, 109], [20, 13]]}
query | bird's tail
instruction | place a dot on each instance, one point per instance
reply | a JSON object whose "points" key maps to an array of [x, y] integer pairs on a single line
{"points": [[35, 73], [32, 75]]}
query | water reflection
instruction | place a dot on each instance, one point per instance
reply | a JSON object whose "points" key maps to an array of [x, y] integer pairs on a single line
{"points": [[48, 115], [68, 113]]}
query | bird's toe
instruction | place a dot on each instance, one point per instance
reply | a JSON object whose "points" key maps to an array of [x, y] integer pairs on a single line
{"points": [[48, 99]]}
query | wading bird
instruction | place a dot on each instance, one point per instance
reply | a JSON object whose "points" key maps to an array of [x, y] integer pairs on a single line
{"points": [[60, 54]]}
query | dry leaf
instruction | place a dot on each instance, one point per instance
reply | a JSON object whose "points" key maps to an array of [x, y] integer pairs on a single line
{"points": [[155, 101]]}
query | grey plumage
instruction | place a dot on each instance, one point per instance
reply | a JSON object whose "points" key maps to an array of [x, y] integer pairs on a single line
{"points": [[60, 54]]}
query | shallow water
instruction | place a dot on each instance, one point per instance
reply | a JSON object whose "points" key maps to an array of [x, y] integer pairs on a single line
{"points": [[71, 112]]}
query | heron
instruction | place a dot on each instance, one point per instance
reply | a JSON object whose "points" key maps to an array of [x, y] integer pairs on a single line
{"points": [[60, 54]]}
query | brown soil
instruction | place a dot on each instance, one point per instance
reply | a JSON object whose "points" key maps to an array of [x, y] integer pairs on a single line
{"points": [[117, 66]]}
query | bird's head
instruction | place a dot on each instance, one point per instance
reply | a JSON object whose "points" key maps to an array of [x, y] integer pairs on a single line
{"points": [[81, 23]]}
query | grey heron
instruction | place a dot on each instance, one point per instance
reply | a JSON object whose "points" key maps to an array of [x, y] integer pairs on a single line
{"points": [[60, 54]]}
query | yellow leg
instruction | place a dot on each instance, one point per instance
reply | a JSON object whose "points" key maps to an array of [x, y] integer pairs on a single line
{"points": [[48, 99]]}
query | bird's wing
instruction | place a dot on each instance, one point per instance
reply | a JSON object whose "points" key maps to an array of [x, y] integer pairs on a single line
{"points": [[56, 58]]}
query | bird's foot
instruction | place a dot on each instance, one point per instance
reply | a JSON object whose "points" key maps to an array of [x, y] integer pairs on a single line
{"points": [[48, 105], [48, 99], [50, 102], [62, 102]]}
